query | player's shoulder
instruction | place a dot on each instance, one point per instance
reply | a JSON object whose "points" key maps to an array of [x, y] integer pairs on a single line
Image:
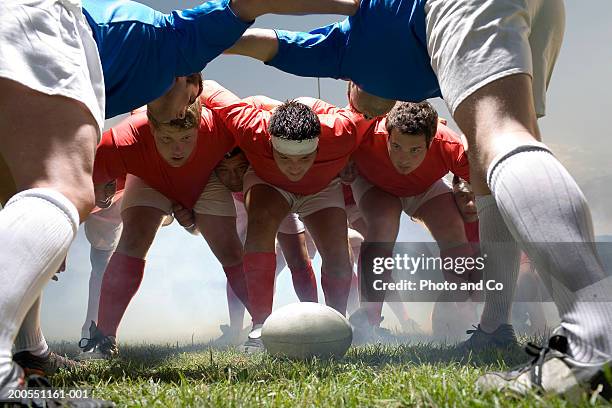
{"points": [[131, 129], [108, 12], [445, 136]]}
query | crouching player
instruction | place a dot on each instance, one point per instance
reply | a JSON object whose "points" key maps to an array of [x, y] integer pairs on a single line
{"points": [[167, 163], [294, 249], [295, 158], [401, 162]]}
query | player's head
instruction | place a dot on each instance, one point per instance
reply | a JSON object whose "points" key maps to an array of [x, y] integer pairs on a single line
{"points": [[465, 199], [410, 126], [176, 140], [231, 169], [294, 132], [370, 106], [174, 103]]}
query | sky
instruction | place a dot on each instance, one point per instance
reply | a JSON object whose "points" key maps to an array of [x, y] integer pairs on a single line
{"points": [[183, 291]]}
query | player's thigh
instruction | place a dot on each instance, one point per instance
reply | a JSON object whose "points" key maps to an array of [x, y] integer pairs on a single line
{"points": [[328, 229], [381, 212], [7, 185], [441, 216], [266, 208], [140, 225], [48, 141], [219, 231]]}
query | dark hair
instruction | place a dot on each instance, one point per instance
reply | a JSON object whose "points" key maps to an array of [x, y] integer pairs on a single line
{"points": [[413, 119], [294, 121], [460, 184], [234, 152]]}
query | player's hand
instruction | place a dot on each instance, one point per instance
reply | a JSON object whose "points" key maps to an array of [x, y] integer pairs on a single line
{"points": [[105, 193], [62, 268], [185, 217], [349, 173]]}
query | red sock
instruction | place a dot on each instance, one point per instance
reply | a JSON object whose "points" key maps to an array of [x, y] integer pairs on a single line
{"points": [[120, 283], [235, 308], [336, 290], [259, 268], [305, 284], [237, 281]]}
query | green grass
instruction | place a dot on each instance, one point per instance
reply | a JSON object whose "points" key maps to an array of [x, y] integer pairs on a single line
{"points": [[377, 375]]}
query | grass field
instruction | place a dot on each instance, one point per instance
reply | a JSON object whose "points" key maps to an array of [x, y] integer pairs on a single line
{"points": [[376, 375]]}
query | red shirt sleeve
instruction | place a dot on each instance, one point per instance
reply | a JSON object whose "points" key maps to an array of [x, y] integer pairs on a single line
{"points": [[457, 159], [108, 163], [241, 118]]}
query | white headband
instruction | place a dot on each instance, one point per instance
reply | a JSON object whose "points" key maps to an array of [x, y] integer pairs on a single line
{"points": [[294, 147]]}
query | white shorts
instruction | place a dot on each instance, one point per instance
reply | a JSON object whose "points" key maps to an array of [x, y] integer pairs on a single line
{"points": [[410, 205], [47, 46], [216, 199], [103, 227], [303, 205], [475, 42]]}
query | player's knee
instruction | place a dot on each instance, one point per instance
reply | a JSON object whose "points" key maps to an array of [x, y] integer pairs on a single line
{"points": [[229, 255]]}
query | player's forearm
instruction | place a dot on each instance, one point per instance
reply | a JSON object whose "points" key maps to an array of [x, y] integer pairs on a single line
{"points": [[263, 102], [258, 43]]}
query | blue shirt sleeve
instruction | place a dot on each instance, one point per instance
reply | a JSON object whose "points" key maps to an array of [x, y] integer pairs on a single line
{"points": [[317, 53], [143, 50]]}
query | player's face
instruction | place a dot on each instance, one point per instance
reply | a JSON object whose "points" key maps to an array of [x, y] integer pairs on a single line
{"points": [[231, 171], [368, 105], [176, 146], [294, 167], [466, 203], [406, 152], [173, 104]]}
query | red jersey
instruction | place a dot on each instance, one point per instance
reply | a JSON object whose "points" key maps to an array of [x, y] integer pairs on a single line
{"points": [[339, 138], [445, 153], [348, 195], [130, 148]]}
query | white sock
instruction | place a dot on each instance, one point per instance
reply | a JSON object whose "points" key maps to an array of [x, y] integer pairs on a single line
{"points": [[548, 215], [37, 227], [30, 337], [99, 259], [502, 264]]}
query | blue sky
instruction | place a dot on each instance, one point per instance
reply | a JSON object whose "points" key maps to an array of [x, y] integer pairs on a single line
{"points": [[183, 291]]}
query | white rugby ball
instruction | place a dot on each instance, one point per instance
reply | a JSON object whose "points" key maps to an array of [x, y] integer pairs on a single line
{"points": [[306, 329]]}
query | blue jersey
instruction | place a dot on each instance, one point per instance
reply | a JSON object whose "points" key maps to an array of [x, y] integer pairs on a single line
{"points": [[382, 48], [143, 50]]}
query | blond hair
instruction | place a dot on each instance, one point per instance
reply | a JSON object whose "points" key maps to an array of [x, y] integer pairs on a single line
{"points": [[192, 118]]}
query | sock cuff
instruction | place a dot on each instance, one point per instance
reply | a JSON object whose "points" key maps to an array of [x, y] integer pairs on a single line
{"points": [[257, 259], [54, 198], [494, 166], [126, 260]]}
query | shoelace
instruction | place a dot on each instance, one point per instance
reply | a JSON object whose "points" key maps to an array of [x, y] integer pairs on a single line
{"points": [[475, 329], [556, 343]]}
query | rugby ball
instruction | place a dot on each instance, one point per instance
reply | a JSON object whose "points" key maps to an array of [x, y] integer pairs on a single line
{"points": [[304, 330]]}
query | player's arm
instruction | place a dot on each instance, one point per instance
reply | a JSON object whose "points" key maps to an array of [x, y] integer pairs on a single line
{"points": [[240, 117], [263, 102], [319, 106], [108, 167], [315, 54]]}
